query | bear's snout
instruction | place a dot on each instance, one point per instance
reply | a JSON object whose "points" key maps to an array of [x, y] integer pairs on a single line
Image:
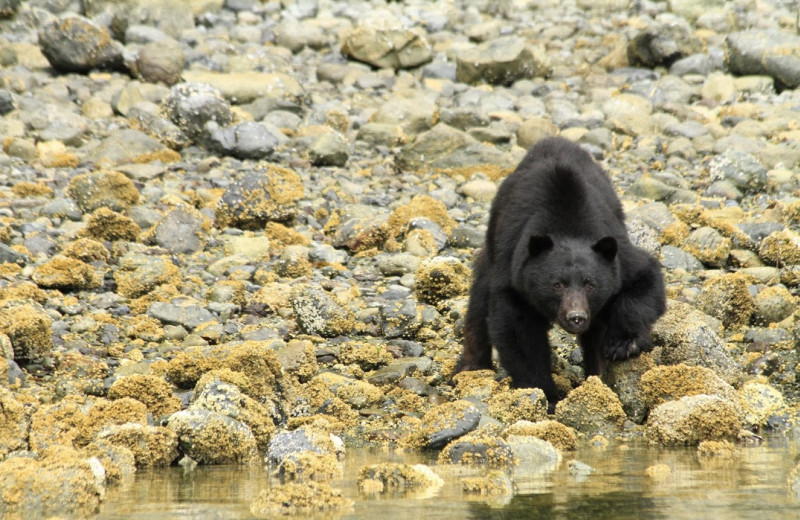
{"points": [[577, 319], [573, 313]]}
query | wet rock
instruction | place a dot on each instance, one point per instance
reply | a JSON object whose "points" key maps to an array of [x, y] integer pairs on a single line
{"points": [[15, 423], [400, 319], [28, 328], [479, 448], [709, 246], [160, 61], [693, 419], [8, 8], [59, 482], [318, 313], [8, 255], [305, 466], [727, 298], [773, 304], [739, 168], [521, 404], [139, 274], [150, 445], [182, 231], [109, 189], [780, 248], [246, 87], [395, 477], [300, 440], [769, 53], [663, 44], [75, 44], [130, 146], [358, 394], [624, 378], [191, 105], [760, 403], [212, 438], [298, 499], [670, 383], [152, 391], [534, 456], [266, 193], [329, 149], [104, 414], [440, 278], [445, 423], [66, 273], [690, 336], [592, 408], [501, 62], [386, 47], [246, 140], [186, 314], [558, 435]]}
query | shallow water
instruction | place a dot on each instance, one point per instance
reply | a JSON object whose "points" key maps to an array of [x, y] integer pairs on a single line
{"points": [[751, 485]]}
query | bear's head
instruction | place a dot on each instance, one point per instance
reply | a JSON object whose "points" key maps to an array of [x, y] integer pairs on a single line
{"points": [[568, 280]]}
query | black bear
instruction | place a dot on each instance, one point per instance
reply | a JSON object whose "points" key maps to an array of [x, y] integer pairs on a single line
{"points": [[557, 251]]}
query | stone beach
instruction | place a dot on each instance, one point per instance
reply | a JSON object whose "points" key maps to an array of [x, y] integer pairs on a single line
{"points": [[242, 232]]}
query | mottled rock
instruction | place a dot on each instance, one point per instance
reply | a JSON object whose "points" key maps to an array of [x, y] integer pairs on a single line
{"points": [[28, 328], [160, 61], [246, 140], [394, 477], [15, 422], [727, 298], [299, 499], [139, 274], [318, 313], [329, 149], [709, 246], [64, 273], [103, 189], [446, 422], [284, 444], [440, 278], [663, 44], [502, 61], [739, 168], [386, 47], [780, 248], [769, 53], [358, 394], [670, 383], [212, 438], [760, 402], [266, 193], [693, 419], [773, 304], [592, 408], [75, 44], [181, 231], [191, 105], [186, 314], [479, 448], [153, 391], [246, 87], [150, 445], [131, 146]]}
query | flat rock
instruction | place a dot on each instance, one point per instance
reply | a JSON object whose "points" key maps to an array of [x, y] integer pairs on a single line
{"points": [[502, 61], [246, 87], [396, 48], [770, 53], [212, 438], [75, 44]]}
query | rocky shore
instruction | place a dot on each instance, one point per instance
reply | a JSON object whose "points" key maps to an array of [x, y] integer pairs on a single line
{"points": [[235, 231]]}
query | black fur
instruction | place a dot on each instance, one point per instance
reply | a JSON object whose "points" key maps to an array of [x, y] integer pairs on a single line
{"points": [[557, 251]]}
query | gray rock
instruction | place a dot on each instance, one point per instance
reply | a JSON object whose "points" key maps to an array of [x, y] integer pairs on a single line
{"points": [[709, 246], [62, 207], [212, 438], [189, 315], [6, 102], [284, 444], [694, 419], [173, 17], [676, 258], [318, 313], [103, 189], [266, 193], [181, 231], [395, 48], [663, 44], [769, 53], [534, 456], [192, 105], [700, 64], [448, 422], [502, 61], [75, 44], [249, 86], [246, 140], [400, 369], [126, 146], [146, 115], [481, 451], [160, 61], [412, 115], [740, 168], [400, 319], [397, 264], [8, 255], [329, 149], [8, 8], [296, 36]]}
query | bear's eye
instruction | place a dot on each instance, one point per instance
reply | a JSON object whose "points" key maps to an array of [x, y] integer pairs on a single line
{"points": [[589, 285], [558, 286]]}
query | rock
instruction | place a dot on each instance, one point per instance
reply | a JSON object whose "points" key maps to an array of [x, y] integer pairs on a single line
{"points": [[479, 448], [16, 423], [59, 482], [770, 53], [64, 273], [534, 130], [411, 115], [212, 438], [298, 499], [152, 391], [172, 17], [592, 408], [266, 193], [246, 87], [441, 278], [318, 313], [246, 140], [670, 383], [501, 62], [760, 403], [296, 36], [558, 435], [780, 248], [284, 444], [254, 249], [160, 61], [629, 114], [8, 8], [191, 105], [521, 404], [182, 231], [709, 246], [329, 149], [28, 328], [740, 168], [694, 419], [308, 466], [720, 88], [75, 44], [692, 9], [8, 255], [395, 477], [663, 44], [689, 336], [624, 378], [139, 274], [188, 315], [451, 151], [479, 190], [358, 394], [534, 456], [773, 304], [130, 146], [150, 445], [103, 189], [385, 47], [445, 423], [727, 298]]}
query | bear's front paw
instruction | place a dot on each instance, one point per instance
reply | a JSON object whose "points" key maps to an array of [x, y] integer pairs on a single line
{"points": [[617, 349]]}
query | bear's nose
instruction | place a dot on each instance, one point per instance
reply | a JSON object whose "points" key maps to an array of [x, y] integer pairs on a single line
{"points": [[577, 318]]}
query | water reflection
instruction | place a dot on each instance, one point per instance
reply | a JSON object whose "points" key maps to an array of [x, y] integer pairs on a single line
{"points": [[751, 484]]}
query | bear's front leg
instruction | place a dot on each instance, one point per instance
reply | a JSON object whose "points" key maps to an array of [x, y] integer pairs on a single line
{"points": [[519, 333], [632, 313], [477, 351]]}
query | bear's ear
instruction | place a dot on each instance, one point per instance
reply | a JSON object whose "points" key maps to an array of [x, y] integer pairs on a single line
{"points": [[606, 247], [538, 244]]}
